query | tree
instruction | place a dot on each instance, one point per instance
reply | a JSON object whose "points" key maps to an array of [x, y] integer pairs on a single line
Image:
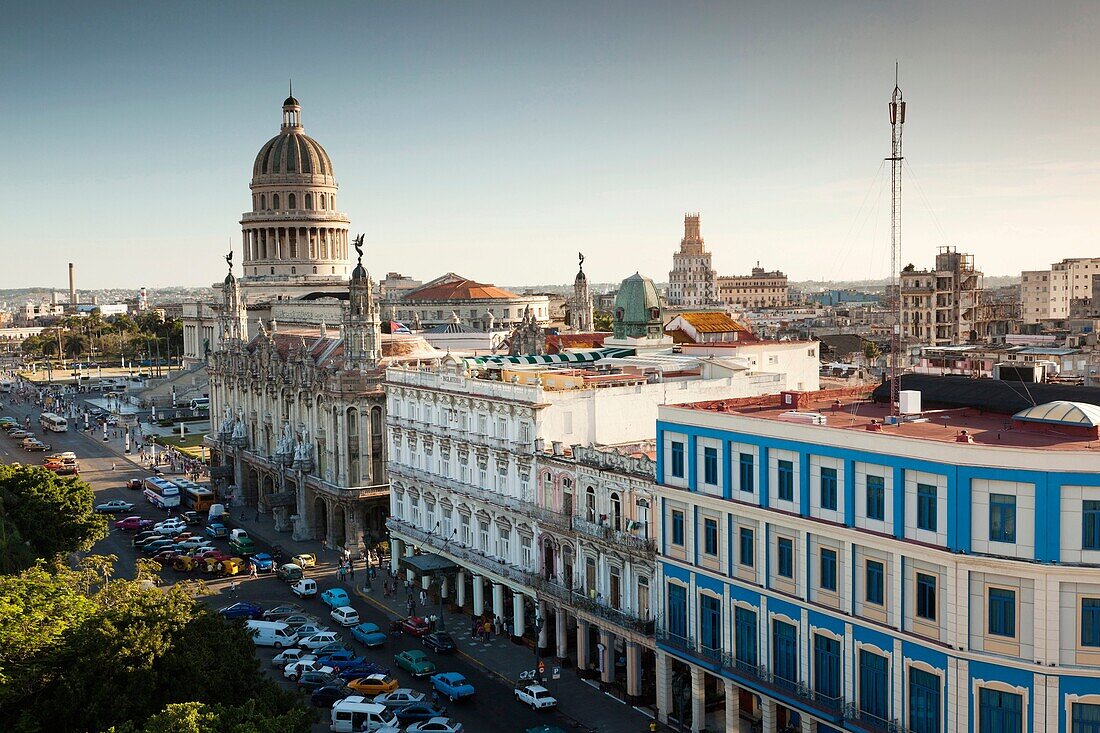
{"points": [[43, 514], [602, 321], [871, 352]]}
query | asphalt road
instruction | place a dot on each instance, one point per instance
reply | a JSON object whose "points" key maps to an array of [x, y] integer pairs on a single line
{"points": [[492, 709]]}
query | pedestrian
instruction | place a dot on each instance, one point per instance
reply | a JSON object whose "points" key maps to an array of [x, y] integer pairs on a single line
{"points": [[423, 598], [497, 625], [233, 589], [252, 570], [473, 628], [351, 568]]}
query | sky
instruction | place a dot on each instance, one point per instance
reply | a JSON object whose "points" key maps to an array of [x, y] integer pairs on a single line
{"points": [[499, 139]]}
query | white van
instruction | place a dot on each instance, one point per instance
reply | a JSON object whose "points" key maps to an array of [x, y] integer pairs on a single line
{"points": [[305, 588], [272, 633], [357, 713]]}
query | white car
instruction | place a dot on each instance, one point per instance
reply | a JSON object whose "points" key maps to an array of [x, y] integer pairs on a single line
{"points": [[316, 641], [192, 542], [399, 698], [345, 616], [537, 696], [309, 629], [295, 669], [287, 656]]}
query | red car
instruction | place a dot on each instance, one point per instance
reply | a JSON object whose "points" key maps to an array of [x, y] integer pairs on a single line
{"points": [[415, 626], [215, 555], [134, 524]]}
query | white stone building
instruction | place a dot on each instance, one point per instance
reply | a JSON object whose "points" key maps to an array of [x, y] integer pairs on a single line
{"points": [[692, 281]]}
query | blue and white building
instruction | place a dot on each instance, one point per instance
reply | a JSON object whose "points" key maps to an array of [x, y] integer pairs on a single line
{"points": [[822, 570]]}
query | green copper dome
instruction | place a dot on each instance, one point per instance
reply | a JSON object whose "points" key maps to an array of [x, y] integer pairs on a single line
{"points": [[637, 309]]}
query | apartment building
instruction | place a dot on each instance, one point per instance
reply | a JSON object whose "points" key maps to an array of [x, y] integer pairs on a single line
{"points": [[761, 289], [1047, 294], [942, 306], [822, 571]]}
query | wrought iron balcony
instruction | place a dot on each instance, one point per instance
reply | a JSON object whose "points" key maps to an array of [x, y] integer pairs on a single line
{"points": [[552, 518], [614, 536], [579, 601], [462, 553], [862, 720]]}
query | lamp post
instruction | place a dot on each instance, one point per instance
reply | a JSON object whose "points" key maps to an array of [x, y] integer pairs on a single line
{"points": [[538, 633]]}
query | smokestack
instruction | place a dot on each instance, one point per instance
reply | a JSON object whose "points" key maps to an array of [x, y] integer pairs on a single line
{"points": [[72, 285]]}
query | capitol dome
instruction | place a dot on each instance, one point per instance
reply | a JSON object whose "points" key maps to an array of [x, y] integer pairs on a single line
{"points": [[292, 152]]}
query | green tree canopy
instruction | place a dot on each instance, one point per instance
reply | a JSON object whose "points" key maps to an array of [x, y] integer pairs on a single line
{"points": [[43, 514]]}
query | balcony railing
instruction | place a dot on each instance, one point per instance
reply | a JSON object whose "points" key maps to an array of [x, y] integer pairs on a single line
{"points": [[578, 600], [552, 518], [460, 552], [872, 723], [605, 532], [458, 487]]}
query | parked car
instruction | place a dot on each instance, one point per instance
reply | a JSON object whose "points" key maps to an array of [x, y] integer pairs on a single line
{"points": [[217, 531], [289, 572], [313, 680], [293, 654], [345, 616], [439, 641], [34, 445], [191, 543], [452, 685], [399, 698], [374, 684], [304, 588], [281, 612], [363, 670], [319, 640], [436, 725], [133, 524], [142, 536], [304, 560], [243, 609], [262, 562], [294, 669], [369, 634], [336, 647], [343, 660], [324, 697], [536, 696], [191, 518], [134, 483], [114, 506], [335, 597], [152, 548], [415, 626], [419, 711], [415, 662]]}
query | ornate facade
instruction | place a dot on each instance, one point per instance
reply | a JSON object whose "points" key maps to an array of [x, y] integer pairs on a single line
{"points": [[692, 279], [580, 306]]}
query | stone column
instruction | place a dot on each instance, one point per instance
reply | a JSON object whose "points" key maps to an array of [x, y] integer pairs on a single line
{"points": [[663, 675], [396, 546], [519, 621], [561, 629], [733, 705], [460, 588], [498, 601], [443, 587], [607, 657], [409, 553], [633, 672], [544, 630], [698, 699], [808, 726], [479, 595], [582, 646], [426, 582], [768, 720]]}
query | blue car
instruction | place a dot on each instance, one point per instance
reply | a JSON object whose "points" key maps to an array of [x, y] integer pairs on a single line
{"points": [[419, 711], [452, 685], [335, 597], [264, 563], [363, 670], [244, 609], [343, 660], [368, 634], [217, 530]]}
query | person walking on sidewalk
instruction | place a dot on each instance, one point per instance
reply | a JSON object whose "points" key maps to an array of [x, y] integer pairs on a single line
{"points": [[252, 570], [351, 567]]}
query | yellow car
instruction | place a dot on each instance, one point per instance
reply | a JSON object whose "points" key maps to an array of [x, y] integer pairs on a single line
{"points": [[232, 566], [305, 560], [183, 563], [374, 684]]}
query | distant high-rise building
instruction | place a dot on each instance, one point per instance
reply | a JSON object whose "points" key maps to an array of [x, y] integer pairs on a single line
{"points": [[1047, 294], [692, 281]]}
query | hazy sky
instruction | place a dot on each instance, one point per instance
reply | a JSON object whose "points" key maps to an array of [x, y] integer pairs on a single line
{"points": [[498, 139]]}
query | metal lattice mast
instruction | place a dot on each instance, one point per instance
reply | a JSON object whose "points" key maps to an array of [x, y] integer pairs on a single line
{"points": [[897, 119]]}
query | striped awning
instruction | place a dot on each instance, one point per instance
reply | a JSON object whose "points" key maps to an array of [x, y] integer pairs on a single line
{"points": [[571, 357]]}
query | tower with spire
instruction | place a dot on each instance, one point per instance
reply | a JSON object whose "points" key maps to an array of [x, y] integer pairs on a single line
{"points": [[232, 316], [580, 309], [362, 328]]}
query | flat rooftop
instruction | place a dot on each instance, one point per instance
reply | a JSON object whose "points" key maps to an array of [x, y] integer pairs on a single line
{"points": [[943, 425]]}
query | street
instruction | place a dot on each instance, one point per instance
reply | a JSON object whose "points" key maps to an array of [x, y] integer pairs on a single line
{"points": [[107, 471]]}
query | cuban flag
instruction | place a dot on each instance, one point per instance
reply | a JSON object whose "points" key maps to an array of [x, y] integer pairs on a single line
{"points": [[396, 327]]}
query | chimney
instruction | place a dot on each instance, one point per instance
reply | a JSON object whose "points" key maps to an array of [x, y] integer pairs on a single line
{"points": [[72, 285]]}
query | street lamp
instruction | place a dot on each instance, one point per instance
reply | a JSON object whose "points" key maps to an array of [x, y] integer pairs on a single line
{"points": [[538, 634]]}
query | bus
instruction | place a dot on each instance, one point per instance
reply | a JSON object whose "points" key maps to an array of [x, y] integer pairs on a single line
{"points": [[200, 404], [5, 386], [195, 497], [53, 422], [161, 492]]}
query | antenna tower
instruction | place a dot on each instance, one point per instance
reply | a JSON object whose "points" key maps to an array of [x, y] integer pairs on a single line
{"points": [[897, 119]]}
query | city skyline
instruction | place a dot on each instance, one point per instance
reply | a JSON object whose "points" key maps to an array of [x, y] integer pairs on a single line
{"points": [[485, 128]]}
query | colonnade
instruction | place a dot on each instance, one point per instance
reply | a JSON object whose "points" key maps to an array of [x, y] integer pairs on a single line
{"points": [[295, 243]]}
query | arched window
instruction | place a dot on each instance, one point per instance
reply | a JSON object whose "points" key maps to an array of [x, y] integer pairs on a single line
{"points": [[275, 201], [263, 202], [293, 270], [321, 205], [616, 512], [292, 201], [309, 202], [567, 497], [590, 504]]}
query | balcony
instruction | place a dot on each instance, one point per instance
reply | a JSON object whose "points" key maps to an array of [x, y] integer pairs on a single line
{"points": [[861, 720], [552, 518], [599, 609], [604, 532], [303, 215], [358, 493], [457, 487], [466, 555]]}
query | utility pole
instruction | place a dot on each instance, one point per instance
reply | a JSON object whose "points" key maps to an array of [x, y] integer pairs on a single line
{"points": [[897, 119]]}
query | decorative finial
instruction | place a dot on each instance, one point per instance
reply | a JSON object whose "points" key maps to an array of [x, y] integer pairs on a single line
{"points": [[229, 260], [291, 87], [580, 256]]}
